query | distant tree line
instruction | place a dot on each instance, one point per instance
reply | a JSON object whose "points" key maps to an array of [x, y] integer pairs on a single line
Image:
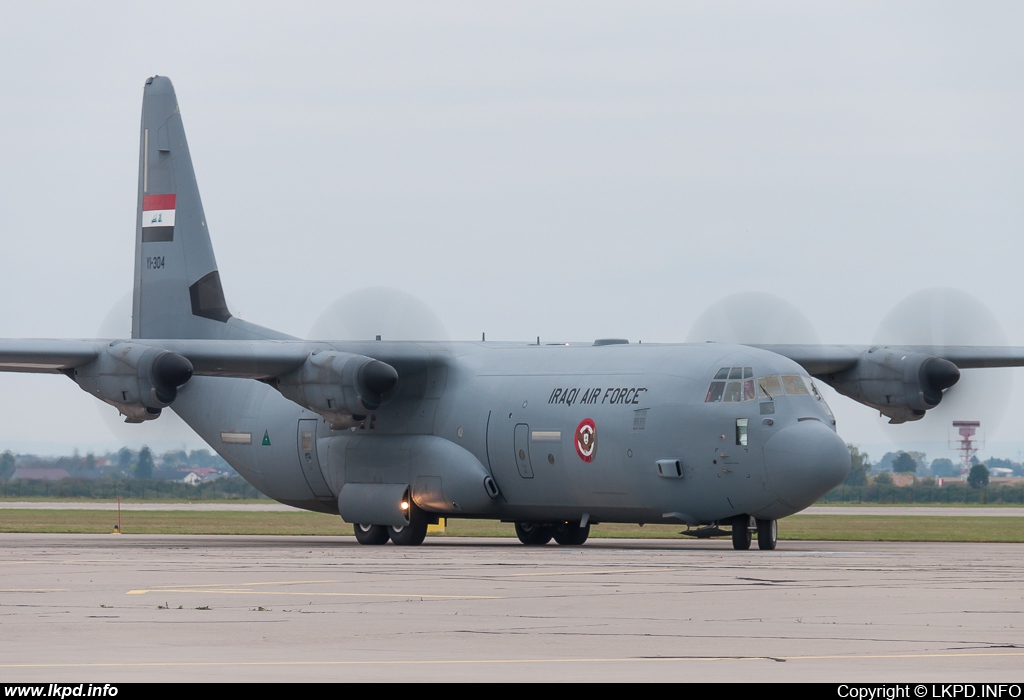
{"points": [[124, 463], [924, 491], [873, 483]]}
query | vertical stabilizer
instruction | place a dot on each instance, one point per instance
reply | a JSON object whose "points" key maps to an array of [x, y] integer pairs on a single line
{"points": [[178, 292]]}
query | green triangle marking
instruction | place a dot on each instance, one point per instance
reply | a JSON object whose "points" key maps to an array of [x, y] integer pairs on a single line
{"points": [[266, 438]]}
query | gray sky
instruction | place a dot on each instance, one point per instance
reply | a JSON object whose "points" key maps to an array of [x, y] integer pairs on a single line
{"points": [[568, 170]]}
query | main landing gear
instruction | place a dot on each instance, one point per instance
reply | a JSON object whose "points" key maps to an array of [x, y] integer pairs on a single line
{"points": [[371, 534], [564, 533], [408, 535], [767, 533]]}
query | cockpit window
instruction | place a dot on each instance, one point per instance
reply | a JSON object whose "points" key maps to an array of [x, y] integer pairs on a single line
{"points": [[794, 385], [812, 387], [715, 392], [739, 387], [733, 392], [813, 390], [769, 387], [748, 390]]}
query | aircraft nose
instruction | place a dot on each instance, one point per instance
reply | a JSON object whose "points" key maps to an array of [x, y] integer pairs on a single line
{"points": [[804, 462]]}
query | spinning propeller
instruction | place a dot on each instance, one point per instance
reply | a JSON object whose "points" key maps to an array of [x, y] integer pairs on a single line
{"points": [[942, 316], [385, 311]]}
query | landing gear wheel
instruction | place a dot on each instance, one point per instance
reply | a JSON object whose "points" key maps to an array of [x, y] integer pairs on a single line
{"points": [[534, 534], [571, 533], [370, 534], [741, 533], [767, 534], [412, 534]]}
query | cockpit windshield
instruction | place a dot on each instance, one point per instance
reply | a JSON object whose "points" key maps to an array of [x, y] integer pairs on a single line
{"points": [[732, 385], [736, 384]]}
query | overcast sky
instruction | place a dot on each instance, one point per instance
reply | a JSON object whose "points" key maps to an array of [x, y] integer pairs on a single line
{"points": [[568, 170]]}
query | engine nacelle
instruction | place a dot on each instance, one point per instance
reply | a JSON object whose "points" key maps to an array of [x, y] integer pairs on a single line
{"points": [[138, 380], [901, 385], [340, 386]]}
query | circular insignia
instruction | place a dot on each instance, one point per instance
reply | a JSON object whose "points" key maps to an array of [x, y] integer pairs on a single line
{"points": [[586, 440]]}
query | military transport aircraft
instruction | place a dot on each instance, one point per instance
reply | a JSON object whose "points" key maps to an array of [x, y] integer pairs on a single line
{"points": [[394, 435]]}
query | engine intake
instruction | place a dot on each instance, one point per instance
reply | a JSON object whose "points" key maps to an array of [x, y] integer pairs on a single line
{"points": [[901, 385]]}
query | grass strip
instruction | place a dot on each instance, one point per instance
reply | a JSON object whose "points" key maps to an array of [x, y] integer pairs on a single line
{"points": [[870, 528]]}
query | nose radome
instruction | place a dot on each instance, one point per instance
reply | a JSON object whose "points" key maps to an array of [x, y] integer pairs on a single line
{"points": [[804, 462]]}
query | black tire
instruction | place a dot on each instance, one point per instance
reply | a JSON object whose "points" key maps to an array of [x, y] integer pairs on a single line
{"points": [[767, 534], [371, 534], [534, 534], [741, 533], [571, 533], [412, 534]]}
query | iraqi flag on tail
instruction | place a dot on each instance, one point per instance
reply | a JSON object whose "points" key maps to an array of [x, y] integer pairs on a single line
{"points": [[158, 217]]}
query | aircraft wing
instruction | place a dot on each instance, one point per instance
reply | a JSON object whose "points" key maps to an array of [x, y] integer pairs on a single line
{"points": [[258, 359], [903, 382], [52, 356], [141, 377], [351, 378], [829, 359]]}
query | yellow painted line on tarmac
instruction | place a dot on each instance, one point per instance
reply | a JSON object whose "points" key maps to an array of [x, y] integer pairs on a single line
{"points": [[175, 586], [329, 594], [479, 662]]}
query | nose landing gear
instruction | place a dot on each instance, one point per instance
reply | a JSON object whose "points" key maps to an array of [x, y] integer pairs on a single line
{"points": [[767, 533]]}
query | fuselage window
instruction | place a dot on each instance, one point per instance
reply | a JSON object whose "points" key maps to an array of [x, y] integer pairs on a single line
{"points": [[741, 431], [722, 373], [715, 392], [736, 373]]}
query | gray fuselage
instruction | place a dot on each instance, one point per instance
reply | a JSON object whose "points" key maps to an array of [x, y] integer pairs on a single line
{"points": [[613, 433]]}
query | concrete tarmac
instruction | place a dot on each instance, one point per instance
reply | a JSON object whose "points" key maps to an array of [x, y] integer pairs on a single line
{"points": [[107, 608], [270, 506]]}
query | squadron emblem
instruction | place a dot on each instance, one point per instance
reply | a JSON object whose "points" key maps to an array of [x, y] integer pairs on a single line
{"points": [[586, 440]]}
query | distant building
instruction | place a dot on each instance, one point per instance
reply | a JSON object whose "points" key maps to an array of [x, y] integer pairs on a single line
{"points": [[200, 474]]}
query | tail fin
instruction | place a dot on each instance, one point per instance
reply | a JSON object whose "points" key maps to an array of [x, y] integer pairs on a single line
{"points": [[178, 293]]}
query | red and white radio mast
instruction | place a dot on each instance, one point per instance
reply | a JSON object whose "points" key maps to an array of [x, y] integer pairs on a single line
{"points": [[967, 445]]}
